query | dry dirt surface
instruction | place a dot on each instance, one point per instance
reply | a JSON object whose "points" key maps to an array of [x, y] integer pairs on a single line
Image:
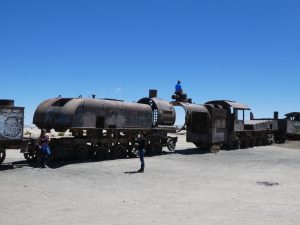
{"points": [[251, 186]]}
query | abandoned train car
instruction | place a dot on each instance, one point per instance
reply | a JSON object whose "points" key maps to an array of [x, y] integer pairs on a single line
{"points": [[289, 127], [216, 124], [107, 128], [11, 127]]}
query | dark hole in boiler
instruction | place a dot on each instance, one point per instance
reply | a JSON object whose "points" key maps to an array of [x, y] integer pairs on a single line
{"points": [[100, 122], [61, 102]]}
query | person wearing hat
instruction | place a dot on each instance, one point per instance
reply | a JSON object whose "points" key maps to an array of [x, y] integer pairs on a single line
{"points": [[44, 148]]}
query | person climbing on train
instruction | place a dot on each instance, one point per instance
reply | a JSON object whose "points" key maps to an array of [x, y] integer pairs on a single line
{"points": [[44, 148], [141, 151]]}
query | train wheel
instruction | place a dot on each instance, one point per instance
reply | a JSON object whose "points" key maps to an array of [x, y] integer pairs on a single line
{"points": [[131, 152], [2, 155], [99, 153], [171, 144], [236, 144], [32, 156], [245, 143], [81, 152], [154, 148], [123, 150], [114, 152]]}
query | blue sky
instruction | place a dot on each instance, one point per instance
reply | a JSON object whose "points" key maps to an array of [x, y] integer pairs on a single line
{"points": [[247, 51]]}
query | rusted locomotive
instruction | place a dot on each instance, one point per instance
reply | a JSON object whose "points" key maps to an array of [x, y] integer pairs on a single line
{"points": [[216, 124], [107, 128]]}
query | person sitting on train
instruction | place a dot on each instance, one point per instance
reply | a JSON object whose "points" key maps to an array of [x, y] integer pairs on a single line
{"points": [[180, 96], [178, 88]]}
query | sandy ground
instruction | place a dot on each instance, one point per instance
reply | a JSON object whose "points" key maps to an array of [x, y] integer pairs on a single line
{"points": [[250, 186]]}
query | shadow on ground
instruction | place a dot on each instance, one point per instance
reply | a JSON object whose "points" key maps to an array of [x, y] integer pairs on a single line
{"points": [[192, 151]]}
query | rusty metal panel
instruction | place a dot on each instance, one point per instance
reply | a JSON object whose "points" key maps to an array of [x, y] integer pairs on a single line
{"points": [[189, 107], [232, 104], [238, 125], [293, 127], [262, 125], [219, 125], [163, 112], [11, 123]]}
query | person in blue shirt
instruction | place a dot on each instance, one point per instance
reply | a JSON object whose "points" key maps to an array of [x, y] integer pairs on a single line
{"points": [[178, 88]]}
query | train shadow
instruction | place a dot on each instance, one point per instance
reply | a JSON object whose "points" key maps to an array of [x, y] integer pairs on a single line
{"points": [[61, 163], [17, 165], [193, 151]]}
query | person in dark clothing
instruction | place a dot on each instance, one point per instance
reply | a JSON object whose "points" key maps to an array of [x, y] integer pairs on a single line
{"points": [[141, 151], [44, 148]]}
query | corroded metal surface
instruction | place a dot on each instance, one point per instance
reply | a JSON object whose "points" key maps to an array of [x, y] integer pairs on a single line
{"points": [[11, 123], [61, 114], [233, 104], [163, 112]]}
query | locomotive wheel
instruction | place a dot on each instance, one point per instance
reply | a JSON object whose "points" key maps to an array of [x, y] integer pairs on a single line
{"points": [[245, 143], [114, 152], [154, 148], [123, 151], [2, 155], [131, 152], [236, 144], [81, 152], [99, 153], [32, 156], [171, 144]]}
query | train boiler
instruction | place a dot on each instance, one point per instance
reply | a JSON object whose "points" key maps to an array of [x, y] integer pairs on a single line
{"points": [[107, 128]]}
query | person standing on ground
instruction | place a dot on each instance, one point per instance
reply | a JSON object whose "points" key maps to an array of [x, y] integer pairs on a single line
{"points": [[141, 151], [44, 148]]}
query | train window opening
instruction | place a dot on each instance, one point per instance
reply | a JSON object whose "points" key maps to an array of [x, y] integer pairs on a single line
{"points": [[180, 113], [100, 122], [61, 102], [242, 115]]}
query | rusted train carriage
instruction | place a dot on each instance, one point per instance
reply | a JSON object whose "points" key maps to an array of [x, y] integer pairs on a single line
{"points": [[11, 127], [289, 127], [216, 124], [107, 128]]}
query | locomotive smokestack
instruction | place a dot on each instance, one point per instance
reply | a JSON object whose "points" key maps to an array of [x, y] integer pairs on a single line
{"points": [[276, 115], [152, 93]]}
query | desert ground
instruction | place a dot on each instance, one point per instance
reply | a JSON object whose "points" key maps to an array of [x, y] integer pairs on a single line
{"points": [[250, 186]]}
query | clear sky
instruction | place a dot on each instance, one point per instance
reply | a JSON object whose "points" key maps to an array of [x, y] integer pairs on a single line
{"points": [[247, 50]]}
